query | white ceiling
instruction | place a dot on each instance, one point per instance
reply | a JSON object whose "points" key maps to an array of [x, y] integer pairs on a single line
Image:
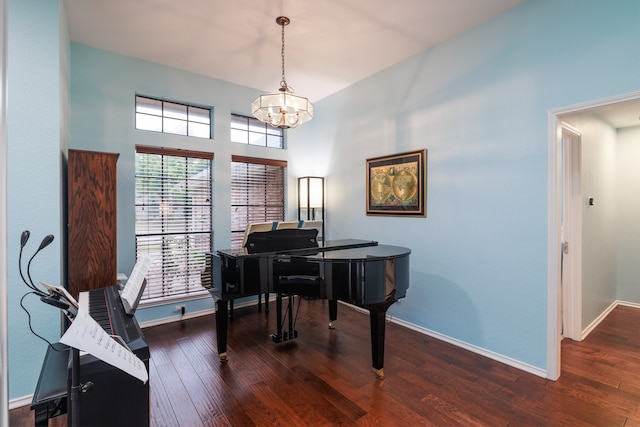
{"points": [[620, 115], [329, 45]]}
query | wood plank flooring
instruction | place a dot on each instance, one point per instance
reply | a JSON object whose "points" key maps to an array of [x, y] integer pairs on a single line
{"points": [[324, 378]]}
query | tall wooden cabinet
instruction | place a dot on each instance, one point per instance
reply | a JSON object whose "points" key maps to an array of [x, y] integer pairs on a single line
{"points": [[91, 227]]}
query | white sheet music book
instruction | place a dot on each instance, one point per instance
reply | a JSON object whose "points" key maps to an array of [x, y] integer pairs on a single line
{"points": [[135, 284], [87, 335]]}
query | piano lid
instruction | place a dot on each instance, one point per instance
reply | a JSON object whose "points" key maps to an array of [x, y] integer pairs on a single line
{"points": [[359, 253]]}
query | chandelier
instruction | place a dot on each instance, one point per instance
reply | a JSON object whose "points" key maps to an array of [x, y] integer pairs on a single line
{"points": [[282, 109]]}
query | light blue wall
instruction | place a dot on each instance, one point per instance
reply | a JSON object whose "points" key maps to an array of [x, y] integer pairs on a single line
{"points": [[628, 205], [479, 104], [35, 127], [599, 222], [103, 89]]}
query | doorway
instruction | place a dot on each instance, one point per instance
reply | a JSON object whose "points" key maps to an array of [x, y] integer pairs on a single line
{"points": [[565, 302], [571, 233]]}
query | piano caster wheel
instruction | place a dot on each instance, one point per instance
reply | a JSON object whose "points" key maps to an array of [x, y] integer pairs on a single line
{"points": [[276, 338], [379, 373], [331, 325], [223, 357]]}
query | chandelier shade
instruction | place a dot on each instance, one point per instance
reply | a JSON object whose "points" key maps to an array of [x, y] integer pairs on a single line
{"points": [[282, 109]]}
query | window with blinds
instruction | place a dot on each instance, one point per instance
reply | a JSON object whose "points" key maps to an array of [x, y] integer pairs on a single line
{"points": [[173, 218], [257, 194]]}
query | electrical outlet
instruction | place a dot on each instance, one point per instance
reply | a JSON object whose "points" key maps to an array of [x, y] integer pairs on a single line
{"points": [[182, 309]]}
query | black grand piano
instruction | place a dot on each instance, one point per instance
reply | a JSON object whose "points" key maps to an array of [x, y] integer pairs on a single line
{"points": [[291, 262]]}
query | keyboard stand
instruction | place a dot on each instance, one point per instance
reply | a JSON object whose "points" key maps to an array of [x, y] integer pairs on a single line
{"points": [[50, 397]]}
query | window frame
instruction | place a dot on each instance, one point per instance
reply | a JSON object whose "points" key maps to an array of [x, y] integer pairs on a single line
{"points": [[254, 130], [253, 210], [193, 263], [165, 116]]}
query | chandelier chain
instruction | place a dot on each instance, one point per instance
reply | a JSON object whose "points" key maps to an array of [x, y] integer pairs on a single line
{"points": [[283, 109], [283, 82]]}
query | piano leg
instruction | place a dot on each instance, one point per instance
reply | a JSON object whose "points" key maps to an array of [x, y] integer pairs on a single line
{"points": [[277, 337], [333, 312], [377, 317], [282, 335], [222, 319]]}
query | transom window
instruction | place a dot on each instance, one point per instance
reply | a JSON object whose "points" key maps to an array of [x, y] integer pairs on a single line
{"points": [[173, 206], [257, 194], [171, 117], [249, 130]]}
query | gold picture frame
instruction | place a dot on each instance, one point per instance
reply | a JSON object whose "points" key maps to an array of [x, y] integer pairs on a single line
{"points": [[397, 184]]}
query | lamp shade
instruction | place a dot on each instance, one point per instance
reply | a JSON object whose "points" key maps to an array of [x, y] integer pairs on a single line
{"points": [[311, 192], [283, 109]]}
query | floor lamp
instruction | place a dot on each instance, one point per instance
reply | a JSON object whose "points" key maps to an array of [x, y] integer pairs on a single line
{"points": [[311, 200]]}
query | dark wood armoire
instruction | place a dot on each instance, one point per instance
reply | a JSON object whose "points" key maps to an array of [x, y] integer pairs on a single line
{"points": [[91, 225]]}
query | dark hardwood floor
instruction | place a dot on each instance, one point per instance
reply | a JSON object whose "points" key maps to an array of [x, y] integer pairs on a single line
{"points": [[325, 378]]}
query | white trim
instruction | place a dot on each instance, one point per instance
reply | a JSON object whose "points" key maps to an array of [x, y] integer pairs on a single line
{"points": [[469, 347], [599, 319], [20, 402], [627, 304], [26, 400], [176, 318], [193, 314], [174, 299], [604, 315], [554, 315], [571, 300], [474, 349]]}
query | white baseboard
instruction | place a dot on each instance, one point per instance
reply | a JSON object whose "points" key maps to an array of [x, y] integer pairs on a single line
{"points": [[474, 349], [26, 400], [604, 314], [193, 314], [172, 319], [586, 331], [19, 402]]}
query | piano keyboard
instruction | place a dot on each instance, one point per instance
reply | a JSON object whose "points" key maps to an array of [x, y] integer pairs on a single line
{"points": [[106, 308]]}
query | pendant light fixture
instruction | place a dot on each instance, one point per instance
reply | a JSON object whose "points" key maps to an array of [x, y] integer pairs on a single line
{"points": [[282, 109]]}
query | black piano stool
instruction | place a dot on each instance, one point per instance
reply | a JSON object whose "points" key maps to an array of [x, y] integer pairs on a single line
{"points": [[50, 397]]}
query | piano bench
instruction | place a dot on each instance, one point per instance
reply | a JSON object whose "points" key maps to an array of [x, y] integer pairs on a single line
{"points": [[50, 397]]}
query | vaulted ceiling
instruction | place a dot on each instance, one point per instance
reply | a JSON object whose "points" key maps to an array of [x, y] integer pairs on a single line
{"points": [[329, 45]]}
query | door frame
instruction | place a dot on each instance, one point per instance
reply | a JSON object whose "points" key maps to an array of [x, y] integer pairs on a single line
{"points": [[571, 233], [554, 223]]}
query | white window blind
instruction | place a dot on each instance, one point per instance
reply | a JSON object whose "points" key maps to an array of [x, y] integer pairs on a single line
{"points": [[257, 193], [173, 218]]}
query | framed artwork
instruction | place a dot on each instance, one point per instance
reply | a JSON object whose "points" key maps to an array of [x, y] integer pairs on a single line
{"points": [[396, 184]]}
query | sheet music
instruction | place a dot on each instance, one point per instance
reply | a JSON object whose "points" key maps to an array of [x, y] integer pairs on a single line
{"points": [[87, 335], [131, 292]]}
